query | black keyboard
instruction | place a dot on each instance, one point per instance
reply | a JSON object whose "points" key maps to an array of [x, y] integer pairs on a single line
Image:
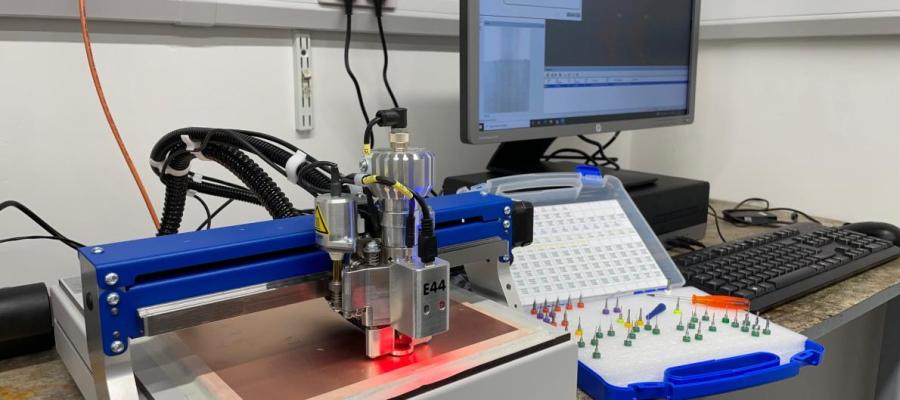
{"points": [[779, 266]]}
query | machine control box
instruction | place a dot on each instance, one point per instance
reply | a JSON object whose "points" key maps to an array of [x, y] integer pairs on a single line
{"points": [[420, 297]]}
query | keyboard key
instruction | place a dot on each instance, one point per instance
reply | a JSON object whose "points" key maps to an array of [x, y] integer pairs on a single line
{"points": [[713, 284], [769, 274], [876, 246], [767, 286], [793, 277], [840, 260], [757, 290], [727, 289], [747, 294]]}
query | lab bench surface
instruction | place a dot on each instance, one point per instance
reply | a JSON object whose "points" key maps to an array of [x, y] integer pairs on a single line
{"points": [[43, 376]]}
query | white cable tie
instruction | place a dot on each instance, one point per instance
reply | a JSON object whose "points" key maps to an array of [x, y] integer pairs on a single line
{"points": [[177, 172], [192, 147], [292, 164], [169, 170], [198, 178]]}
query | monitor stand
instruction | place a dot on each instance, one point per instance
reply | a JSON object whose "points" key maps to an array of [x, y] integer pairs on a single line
{"points": [[526, 157]]}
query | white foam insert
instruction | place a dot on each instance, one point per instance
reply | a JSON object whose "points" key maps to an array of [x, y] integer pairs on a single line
{"points": [[650, 355], [583, 249]]}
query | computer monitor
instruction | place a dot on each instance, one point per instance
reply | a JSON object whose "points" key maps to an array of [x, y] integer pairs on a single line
{"points": [[538, 69]]}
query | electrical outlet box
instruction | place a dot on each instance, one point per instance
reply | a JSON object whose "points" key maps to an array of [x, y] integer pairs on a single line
{"points": [[388, 4], [303, 107]]}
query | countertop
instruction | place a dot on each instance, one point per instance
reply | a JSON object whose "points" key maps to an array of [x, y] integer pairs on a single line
{"points": [[43, 376]]}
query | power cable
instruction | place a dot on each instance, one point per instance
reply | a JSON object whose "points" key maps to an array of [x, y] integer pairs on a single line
{"points": [[208, 222], [379, 6], [40, 221], [598, 158], [347, 35], [86, 38]]}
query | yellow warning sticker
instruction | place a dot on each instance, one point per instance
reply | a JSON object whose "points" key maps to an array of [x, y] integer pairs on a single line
{"points": [[321, 226]]}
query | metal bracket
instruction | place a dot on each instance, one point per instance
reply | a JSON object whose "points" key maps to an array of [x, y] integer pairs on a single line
{"points": [[303, 109], [487, 267]]}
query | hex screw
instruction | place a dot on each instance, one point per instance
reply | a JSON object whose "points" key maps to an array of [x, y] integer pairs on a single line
{"points": [[112, 299], [117, 346], [97, 250], [111, 278]]}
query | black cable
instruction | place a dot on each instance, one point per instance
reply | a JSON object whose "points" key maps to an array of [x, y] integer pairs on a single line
{"points": [[598, 158], [226, 192], [43, 224], [753, 200], [359, 96], [690, 242], [767, 207], [601, 150], [805, 215], [373, 215], [20, 238], [384, 72], [583, 156], [718, 228], [218, 181], [369, 134], [205, 208], [427, 220], [315, 184], [674, 244], [208, 222]]}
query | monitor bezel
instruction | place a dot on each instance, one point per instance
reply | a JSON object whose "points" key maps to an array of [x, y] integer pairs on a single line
{"points": [[469, 116]]}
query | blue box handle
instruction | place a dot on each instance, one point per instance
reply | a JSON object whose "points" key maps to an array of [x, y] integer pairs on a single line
{"points": [[721, 369], [705, 378]]}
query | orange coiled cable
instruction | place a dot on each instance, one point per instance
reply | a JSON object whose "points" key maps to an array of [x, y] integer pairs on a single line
{"points": [[109, 118]]}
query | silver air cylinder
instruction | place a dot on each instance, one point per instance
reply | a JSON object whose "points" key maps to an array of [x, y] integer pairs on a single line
{"points": [[413, 167], [336, 234], [336, 224]]}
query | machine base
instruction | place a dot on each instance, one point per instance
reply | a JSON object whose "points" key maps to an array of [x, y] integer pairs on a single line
{"points": [[304, 350]]}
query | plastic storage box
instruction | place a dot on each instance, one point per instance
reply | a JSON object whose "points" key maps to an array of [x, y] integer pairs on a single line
{"points": [[692, 380]]}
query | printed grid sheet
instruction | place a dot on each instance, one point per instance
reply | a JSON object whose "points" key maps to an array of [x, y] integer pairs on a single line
{"points": [[588, 249]]}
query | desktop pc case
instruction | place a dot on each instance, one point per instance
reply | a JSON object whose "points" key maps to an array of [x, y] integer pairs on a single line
{"points": [[672, 206]]}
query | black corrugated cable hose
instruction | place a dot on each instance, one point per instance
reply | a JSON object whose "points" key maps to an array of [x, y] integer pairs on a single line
{"points": [[253, 176], [243, 195], [176, 196], [315, 180], [249, 172]]}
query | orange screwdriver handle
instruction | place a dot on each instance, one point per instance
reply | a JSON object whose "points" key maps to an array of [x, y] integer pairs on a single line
{"points": [[722, 301]]}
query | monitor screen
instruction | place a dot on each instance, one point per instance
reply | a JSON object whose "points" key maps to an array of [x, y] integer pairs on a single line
{"points": [[555, 63]]}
